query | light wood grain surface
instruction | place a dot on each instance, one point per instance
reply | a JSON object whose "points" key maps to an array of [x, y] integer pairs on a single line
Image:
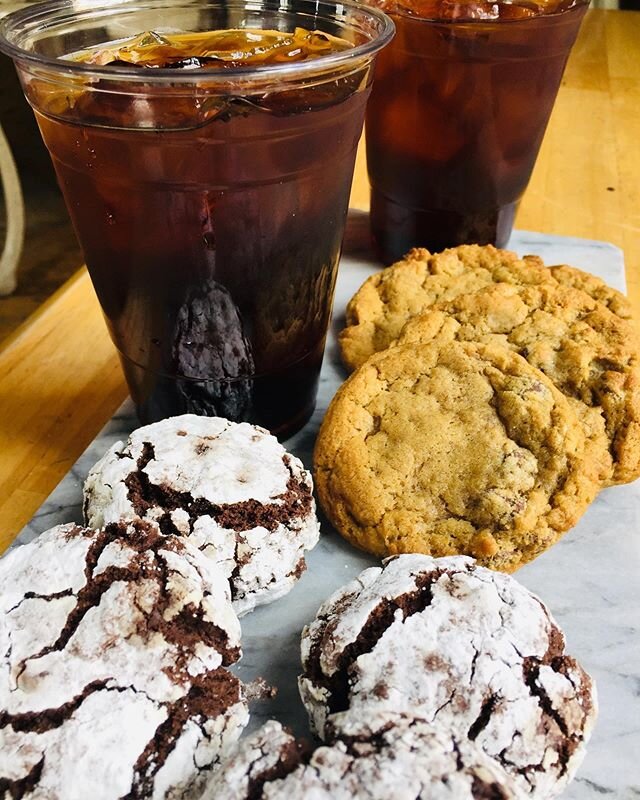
{"points": [[60, 376]]}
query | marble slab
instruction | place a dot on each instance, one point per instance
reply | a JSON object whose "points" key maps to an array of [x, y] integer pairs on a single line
{"points": [[590, 579]]}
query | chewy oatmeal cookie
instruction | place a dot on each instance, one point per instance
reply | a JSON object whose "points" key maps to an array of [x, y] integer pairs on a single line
{"points": [[467, 650], [403, 761], [588, 352], [378, 311], [113, 653], [460, 449], [231, 488]]}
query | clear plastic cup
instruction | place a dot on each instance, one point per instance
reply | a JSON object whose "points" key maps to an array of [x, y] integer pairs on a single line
{"points": [[210, 204], [460, 104]]}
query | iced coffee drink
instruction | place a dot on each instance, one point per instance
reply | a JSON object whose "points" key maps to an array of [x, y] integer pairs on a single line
{"points": [[207, 174], [460, 104]]}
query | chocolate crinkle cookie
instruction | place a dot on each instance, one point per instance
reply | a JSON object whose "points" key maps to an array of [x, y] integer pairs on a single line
{"points": [[231, 488], [114, 648], [467, 650], [404, 760]]}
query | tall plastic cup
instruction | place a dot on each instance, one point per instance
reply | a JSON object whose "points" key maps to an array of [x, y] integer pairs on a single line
{"points": [[210, 203], [460, 104]]}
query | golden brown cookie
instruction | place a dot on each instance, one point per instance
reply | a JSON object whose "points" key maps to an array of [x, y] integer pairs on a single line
{"points": [[383, 304], [614, 300], [464, 448], [588, 352]]}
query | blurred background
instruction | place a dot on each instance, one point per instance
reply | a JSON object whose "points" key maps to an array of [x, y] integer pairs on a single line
{"points": [[52, 253]]}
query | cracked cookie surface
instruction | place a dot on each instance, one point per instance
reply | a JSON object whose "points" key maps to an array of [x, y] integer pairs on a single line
{"points": [[378, 311], [466, 650], [113, 653], [230, 488], [588, 352], [403, 761], [460, 449], [596, 288]]}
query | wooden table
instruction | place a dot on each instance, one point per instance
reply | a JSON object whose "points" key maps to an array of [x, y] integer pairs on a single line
{"points": [[60, 376]]}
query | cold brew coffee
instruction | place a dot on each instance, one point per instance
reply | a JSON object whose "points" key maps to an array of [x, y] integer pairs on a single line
{"points": [[460, 104]]}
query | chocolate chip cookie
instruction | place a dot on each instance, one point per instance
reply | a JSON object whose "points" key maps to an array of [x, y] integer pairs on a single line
{"points": [[378, 311], [459, 449], [113, 653], [231, 488], [614, 300], [588, 352], [467, 650]]}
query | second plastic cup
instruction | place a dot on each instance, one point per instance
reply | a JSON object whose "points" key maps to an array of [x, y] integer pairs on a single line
{"points": [[456, 118], [210, 204]]}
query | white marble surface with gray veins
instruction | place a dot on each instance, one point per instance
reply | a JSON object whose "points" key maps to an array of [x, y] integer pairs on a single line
{"points": [[231, 488], [105, 692], [589, 579]]}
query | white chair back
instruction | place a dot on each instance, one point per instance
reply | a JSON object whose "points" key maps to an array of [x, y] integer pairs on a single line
{"points": [[14, 205], [13, 198]]}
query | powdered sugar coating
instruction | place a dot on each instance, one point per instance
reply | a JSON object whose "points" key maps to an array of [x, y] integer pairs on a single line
{"points": [[466, 649], [269, 753], [113, 647], [230, 487], [405, 761]]}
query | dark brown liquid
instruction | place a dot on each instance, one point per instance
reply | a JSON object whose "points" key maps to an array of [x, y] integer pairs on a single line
{"points": [[213, 248], [455, 122]]}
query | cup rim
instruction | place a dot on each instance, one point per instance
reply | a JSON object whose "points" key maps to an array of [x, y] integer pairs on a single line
{"points": [[407, 14], [40, 12]]}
